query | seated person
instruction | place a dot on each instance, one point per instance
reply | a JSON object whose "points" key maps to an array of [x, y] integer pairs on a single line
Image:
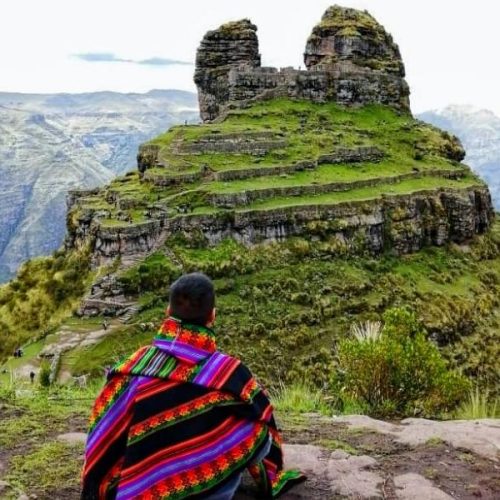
{"points": [[179, 419]]}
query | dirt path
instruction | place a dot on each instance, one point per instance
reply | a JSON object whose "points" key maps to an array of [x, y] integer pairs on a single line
{"points": [[67, 338]]}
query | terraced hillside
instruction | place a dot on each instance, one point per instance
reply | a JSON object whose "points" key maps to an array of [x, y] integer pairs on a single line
{"points": [[315, 200], [374, 176]]}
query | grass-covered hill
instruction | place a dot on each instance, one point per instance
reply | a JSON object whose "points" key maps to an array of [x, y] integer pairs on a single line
{"points": [[309, 217], [278, 154]]}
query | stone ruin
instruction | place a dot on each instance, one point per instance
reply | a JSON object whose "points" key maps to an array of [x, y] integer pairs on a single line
{"points": [[350, 59]]}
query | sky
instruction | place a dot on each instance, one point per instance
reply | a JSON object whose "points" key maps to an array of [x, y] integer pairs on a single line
{"points": [[450, 47]]}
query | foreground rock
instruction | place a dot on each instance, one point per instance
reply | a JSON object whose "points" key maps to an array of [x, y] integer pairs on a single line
{"points": [[480, 436], [362, 458]]}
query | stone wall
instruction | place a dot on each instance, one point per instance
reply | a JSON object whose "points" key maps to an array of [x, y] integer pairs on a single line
{"points": [[231, 200], [349, 58], [252, 143], [402, 224]]}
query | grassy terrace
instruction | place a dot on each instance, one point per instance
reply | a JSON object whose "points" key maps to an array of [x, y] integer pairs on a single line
{"points": [[323, 174], [310, 130], [368, 193]]}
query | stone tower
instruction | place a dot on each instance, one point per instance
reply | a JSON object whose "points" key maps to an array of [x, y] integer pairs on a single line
{"points": [[350, 59], [361, 54], [233, 45]]}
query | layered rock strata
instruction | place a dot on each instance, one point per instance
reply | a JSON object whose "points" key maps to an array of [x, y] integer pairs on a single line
{"points": [[402, 224], [232, 45]]}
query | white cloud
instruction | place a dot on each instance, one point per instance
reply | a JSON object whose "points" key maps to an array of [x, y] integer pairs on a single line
{"points": [[449, 47]]}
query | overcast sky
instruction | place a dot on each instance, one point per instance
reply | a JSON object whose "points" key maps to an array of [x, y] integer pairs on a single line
{"points": [[450, 47]]}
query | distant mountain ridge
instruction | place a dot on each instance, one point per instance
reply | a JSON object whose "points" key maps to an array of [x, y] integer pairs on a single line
{"points": [[50, 143], [479, 131]]}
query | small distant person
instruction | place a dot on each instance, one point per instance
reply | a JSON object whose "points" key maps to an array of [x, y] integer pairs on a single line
{"points": [[32, 376], [180, 419]]}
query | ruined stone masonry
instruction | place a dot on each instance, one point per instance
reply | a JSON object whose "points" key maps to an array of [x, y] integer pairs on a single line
{"points": [[350, 59]]}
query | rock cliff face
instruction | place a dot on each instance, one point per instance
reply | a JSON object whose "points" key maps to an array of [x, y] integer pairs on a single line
{"points": [[350, 59], [233, 45], [400, 224]]}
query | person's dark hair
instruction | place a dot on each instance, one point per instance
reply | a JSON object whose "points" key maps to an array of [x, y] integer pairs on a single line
{"points": [[192, 298]]}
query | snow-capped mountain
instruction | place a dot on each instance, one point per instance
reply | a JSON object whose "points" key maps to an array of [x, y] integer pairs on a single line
{"points": [[52, 143], [479, 131]]}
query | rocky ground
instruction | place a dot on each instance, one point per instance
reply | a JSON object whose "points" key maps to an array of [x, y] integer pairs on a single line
{"points": [[352, 457], [359, 457]]}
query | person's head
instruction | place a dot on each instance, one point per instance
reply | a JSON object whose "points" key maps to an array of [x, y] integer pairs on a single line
{"points": [[192, 299]]}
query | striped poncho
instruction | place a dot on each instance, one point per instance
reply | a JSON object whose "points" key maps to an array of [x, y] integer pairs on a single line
{"points": [[179, 419]]}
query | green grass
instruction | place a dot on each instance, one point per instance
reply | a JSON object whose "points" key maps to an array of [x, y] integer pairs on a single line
{"points": [[334, 444], [323, 174], [299, 398], [310, 130], [369, 193], [34, 461], [51, 467], [479, 404]]}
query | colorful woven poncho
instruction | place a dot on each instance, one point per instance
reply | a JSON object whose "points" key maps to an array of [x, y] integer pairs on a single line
{"points": [[179, 419]]}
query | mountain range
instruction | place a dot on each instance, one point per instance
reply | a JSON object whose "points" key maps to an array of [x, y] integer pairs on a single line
{"points": [[479, 131], [50, 143]]}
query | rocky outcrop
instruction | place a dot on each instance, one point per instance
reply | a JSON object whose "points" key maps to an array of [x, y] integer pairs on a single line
{"points": [[346, 34], [232, 45], [147, 157], [358, 457], [349, 57], [402, 224]]}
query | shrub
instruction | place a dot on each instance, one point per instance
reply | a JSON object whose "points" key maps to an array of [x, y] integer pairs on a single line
{"points": [[44, 375], [154, 274], [400, 371]]}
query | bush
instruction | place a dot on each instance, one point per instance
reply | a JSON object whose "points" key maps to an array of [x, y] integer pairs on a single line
{"points": [[44, 375], [154, 274], [398, 372], [299, 397]]}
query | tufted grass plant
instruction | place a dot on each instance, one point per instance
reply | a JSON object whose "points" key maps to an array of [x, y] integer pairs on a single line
{"points": [[479, 404], [299, 397]]}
